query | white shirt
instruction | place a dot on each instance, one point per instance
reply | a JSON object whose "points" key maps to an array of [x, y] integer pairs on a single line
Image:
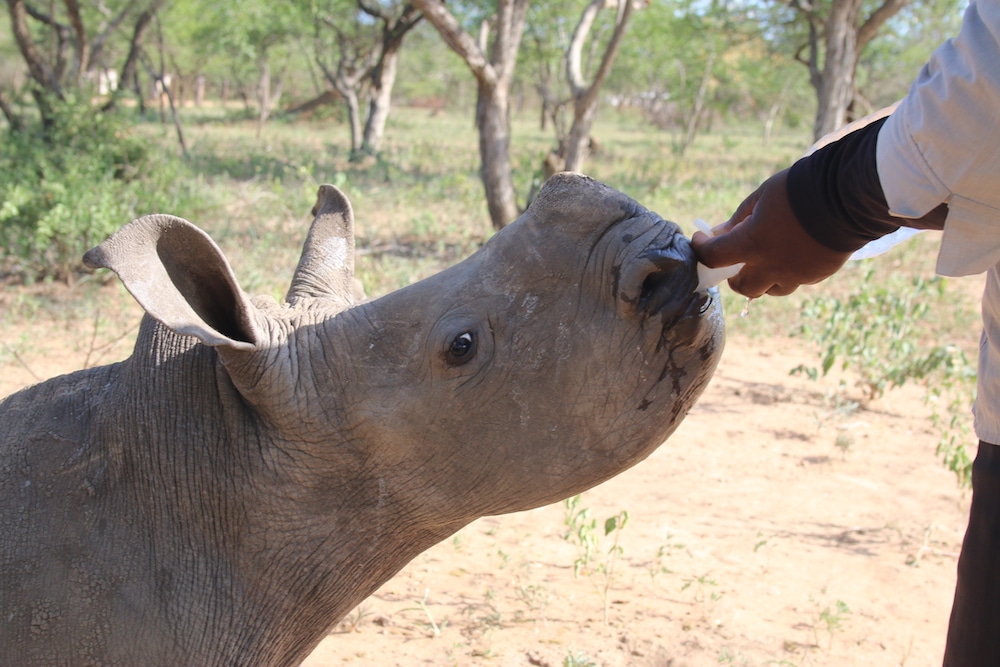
{"points": [[942, 144]]}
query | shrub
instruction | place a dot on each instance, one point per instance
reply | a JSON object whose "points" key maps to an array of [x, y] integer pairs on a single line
{"points": [[65, 186], [875, 333]]}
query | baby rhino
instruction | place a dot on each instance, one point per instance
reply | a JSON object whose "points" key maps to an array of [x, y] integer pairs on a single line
{"points": [[255, 470]]}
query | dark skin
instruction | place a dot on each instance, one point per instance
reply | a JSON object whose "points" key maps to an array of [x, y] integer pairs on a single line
{"points": [[779, 256], [766, 235]]}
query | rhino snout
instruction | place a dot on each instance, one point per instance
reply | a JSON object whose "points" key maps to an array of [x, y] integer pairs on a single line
{"points": [[660, 279]]}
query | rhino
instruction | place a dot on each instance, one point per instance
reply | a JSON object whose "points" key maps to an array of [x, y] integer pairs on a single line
{"points": [[255, 470]]}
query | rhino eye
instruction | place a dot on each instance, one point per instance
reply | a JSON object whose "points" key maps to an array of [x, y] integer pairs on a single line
{"points": [[462, 348]]}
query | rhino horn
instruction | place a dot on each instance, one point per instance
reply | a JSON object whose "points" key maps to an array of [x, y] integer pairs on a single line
{"points": [[326, 268], [180, 277]]}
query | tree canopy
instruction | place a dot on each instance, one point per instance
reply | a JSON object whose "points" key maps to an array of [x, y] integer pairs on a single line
{"points": [[678, 65]]}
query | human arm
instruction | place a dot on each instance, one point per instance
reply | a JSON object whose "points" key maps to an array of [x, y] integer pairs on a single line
{"points": [[938, 146], [803, 223]]}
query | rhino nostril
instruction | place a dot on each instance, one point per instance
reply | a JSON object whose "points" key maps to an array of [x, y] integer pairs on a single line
{"points": [[652, 285]]}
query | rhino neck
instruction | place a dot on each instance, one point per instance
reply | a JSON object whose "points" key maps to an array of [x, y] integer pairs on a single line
{"points": [[272, 533]]}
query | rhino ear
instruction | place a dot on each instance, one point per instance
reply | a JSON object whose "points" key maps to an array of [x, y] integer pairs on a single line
{"points": [[578, 202], [181, 278], [326, 268]]}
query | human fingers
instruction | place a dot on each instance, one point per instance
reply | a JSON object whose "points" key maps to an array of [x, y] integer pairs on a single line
{"points": [[722, 249], [752, 282], [743, 211]]}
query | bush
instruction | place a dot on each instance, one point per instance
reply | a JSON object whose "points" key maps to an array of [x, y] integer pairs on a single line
{"points": [[67, 185], [874, 332]]}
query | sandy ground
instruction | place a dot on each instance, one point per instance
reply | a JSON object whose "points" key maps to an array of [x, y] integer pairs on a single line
{"points": [[769, 530], [752, 539]]}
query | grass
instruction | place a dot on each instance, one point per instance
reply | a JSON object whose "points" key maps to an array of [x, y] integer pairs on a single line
{"points": [[419, 207]]}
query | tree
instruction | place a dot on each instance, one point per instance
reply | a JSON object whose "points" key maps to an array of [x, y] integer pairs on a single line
{"points": [[684, 64], [493, 67], [366, 39], [838, 32], [395, 26], [585, 96], [547, 35], [257, 37], [353, 44], [69, 55]]}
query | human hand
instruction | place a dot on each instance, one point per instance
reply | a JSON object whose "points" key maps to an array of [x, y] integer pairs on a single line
{"points": [[764, 233]]}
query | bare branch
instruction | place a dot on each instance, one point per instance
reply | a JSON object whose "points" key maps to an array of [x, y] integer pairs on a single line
{"points": [[877, 19], [461, 42], [82, 44], [625, 8], [20, 360], [509, 26], [98, 42], [38, 68], [129, 68], [574, 70], [374, 11], [41, 17], [808, 10]]}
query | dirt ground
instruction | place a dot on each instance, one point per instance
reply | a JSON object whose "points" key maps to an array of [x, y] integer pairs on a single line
{"points": [[769, 530]]}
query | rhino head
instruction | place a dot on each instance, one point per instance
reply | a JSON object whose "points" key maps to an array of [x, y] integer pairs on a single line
{"points": [[256, 469]]}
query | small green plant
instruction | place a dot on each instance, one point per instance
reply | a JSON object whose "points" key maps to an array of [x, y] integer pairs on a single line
{"points": [[663, 553], [728, 657], [578, 659], [830, 619], [534, 598], [844, 442], [581, 529], [702, 585], [949, 400], [352, 622], [432, 624], [875, 333]]}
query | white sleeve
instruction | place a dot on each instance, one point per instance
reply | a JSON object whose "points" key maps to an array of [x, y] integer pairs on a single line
{"points": [[943, 144]]}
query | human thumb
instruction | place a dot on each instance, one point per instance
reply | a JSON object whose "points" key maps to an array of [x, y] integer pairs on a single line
{"points": [[721, 249]]}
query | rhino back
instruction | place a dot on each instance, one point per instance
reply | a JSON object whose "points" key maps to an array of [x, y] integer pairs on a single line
{"points": [[52, 471], [93, 558]]}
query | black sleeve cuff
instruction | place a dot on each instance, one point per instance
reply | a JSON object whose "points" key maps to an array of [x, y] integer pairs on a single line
{"points": [[836, 193]]}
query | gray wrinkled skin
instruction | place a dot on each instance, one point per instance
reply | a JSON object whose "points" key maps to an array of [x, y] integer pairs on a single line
{"points": [[255, 470]]}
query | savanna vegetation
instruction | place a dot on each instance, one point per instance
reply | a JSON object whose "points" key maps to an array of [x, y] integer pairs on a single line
{"points": [[231, 114], [440, 122]]}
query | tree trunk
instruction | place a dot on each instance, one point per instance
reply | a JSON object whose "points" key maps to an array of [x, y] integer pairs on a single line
{"points": [[81, 59], [130, 68], [383, 74], [263, 98], [494, 75], [346, 81], [698, 108], [38, 68], [13, 120], [585, 97], [837, 80], [844, 36], [492, 119], [577, 144], [380, 101], [354, 118]]}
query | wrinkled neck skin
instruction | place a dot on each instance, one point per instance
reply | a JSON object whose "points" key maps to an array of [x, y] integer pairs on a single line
{"points": [[273, 530]]}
